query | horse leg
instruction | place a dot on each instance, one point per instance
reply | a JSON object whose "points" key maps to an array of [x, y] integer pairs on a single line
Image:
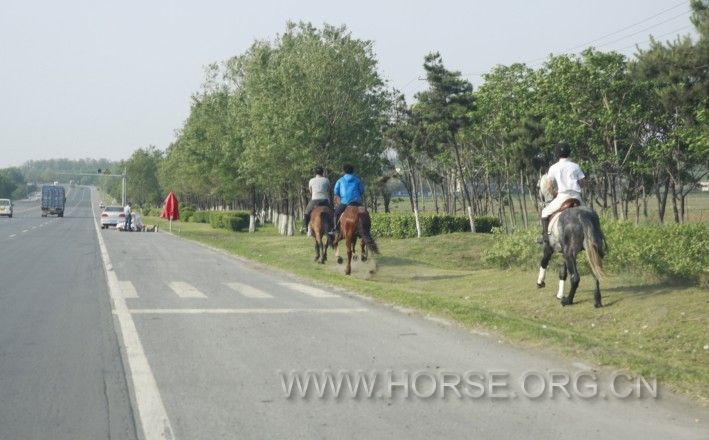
{"points": [[562, 278], [335, 243], [597, 294], [570, 258], [354, 248], [363, 251], [350, 249], [317, 249], [548, 252], [323, 258]]}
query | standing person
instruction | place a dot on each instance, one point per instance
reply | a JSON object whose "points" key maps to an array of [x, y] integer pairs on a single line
{"points": [[350, 192], [129, 216], [569, 181], [319, 187]]}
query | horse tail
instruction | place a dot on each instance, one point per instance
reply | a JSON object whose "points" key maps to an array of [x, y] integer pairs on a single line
{"points": [[325, 226], [363, 227], [595, 244]]}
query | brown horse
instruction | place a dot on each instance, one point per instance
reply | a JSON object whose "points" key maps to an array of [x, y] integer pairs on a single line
{"points": [[355, 222], [320, 223]]}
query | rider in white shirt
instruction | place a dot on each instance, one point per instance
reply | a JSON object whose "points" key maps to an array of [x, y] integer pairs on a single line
{"points": [[569, 180]]}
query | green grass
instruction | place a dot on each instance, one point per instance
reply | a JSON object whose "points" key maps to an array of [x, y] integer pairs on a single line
{"points": [[650, 328]]}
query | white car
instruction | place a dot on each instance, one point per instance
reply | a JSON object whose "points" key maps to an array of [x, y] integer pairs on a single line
{"points": [[6, 207], [111, 216]]}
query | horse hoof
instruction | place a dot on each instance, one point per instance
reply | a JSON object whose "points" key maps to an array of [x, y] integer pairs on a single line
{"points": [[565, 301], [364, 259], [339, 260], [541, 285], [598, 305]]}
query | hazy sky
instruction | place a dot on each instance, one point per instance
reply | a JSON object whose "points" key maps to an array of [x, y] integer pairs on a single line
{"points": [[101, 79]]}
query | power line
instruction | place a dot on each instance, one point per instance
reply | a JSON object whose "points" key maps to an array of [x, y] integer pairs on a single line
{"points": [[626, 28], [673, 32], [644, 30]]}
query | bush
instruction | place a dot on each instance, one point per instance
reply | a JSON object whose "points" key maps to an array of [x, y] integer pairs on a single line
{"points": [[678, 252], [186, 214], [403, 225], [223, 219], [238, 222], [200, 217]]}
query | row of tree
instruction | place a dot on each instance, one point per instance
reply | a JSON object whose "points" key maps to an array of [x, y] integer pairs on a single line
{"points": [[13, 184], [265, 118]]}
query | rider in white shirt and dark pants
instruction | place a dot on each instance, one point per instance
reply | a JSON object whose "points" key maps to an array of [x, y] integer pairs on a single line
{"points": [[569, 179]]}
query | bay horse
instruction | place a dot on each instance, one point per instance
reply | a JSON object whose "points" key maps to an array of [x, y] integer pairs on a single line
{"points": [[320, 224], [574, 229], [355, 222]]}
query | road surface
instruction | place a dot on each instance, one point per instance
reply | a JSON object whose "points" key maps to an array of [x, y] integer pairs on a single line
{"points": [[105, 334]]}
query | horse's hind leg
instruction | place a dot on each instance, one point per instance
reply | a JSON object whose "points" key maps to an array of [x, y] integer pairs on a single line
{"points": [[317, 249], [363, 250], [597, 294], [354, 248], [575, 278], [337, 250], [548, 251], [562, 278], [350, 248]]}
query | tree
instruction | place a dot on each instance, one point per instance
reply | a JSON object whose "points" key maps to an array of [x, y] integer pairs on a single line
{"points": [[445, 109], [142, 177]]}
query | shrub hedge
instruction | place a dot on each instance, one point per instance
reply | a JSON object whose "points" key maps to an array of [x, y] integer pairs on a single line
{"points": [[403, 225], [678, 252]]}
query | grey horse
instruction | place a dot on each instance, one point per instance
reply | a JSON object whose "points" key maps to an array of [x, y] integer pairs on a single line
{"points": [[577, 228]]}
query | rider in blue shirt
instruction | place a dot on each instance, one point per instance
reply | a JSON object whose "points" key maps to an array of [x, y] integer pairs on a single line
{"points": [[350, 190]]}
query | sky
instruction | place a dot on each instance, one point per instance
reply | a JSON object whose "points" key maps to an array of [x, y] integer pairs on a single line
{"points": [[100, 79]]}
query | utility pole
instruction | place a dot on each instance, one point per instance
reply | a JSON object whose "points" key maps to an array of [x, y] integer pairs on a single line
{"points": [[123, 196]]}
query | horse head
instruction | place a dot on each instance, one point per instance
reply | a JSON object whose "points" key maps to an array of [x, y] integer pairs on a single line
{"points": [[547, 188]]}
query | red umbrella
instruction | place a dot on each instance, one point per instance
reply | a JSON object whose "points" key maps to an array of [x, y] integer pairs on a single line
{"points": [[171, 209]]}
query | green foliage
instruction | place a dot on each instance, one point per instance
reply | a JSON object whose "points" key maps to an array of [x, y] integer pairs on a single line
{"points": [[186, 214], [679, 252], [671, 251], [402, 225], [200, 217], [233, 220]]}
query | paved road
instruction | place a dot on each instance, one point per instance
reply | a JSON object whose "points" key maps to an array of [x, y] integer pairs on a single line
{"points": [[61, 374], [205, 338]]}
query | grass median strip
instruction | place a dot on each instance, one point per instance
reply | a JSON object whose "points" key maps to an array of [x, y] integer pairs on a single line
{"points": [[650, 328]]}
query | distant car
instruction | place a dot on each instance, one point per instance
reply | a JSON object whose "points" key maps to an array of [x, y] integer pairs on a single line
{"points": [[111, 216], [136, 223], [6, 207]]}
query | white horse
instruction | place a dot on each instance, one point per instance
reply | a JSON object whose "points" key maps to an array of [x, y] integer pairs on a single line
{"points": [[572, 230]]}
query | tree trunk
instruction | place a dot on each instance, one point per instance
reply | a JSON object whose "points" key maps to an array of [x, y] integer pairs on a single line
{"points": [[471, 209], [523, 201]]}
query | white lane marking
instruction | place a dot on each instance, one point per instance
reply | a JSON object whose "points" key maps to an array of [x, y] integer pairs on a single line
{"points": [[127, 289], [238, 311], [249, 291], [151, 411], [24, 230], [13, 235], [310, 290], [185, 290]]}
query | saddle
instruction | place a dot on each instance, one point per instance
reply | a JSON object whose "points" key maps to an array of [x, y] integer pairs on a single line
{"points": [[554, 217]]}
